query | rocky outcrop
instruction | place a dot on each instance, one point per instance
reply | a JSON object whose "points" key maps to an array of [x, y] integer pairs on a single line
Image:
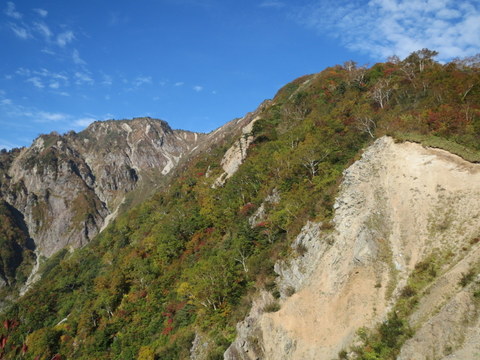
{"points": [[237, 153], [398, 205], [67, 188]]}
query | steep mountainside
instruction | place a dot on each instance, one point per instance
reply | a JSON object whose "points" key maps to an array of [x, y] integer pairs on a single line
{"points": [[402, 209], [338, 220], [65, 189]]}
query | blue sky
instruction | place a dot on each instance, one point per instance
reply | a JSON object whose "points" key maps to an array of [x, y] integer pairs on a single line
{"points": [[196, 63]]}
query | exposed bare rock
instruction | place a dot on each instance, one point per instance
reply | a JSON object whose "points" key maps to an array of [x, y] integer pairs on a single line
{"points": [[260, 213], [199, 349], [66, 187], [397, 205], [249, 342], [237, 153]]}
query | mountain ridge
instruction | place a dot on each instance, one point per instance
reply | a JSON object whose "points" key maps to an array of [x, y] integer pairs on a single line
{"points": [[59, 178], [316, 189]]}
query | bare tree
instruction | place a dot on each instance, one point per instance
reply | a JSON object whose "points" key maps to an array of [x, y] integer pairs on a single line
{"points": [[311, 159], [350, 65], [381, 92], [421, 58], [468, 62], [366, 124], [394, 59], [295, 111], [242, 259]]}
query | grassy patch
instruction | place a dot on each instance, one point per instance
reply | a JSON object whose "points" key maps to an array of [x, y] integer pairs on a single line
{"points": [[273, 306], [385, 341], [464, 152]]}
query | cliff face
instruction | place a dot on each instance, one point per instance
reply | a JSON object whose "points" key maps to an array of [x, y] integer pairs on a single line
{"points": [[64, 187], [402, 207]]}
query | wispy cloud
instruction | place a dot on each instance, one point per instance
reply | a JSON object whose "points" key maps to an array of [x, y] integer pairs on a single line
{"points": [[197, 88], [115, 18], [83, 78], [77, 59], [11, 11], [179, 83], [46, 117], [48, 51], [271, 4], [140, 80], [6, 101], [64, 38], [83, 122], [20, 31], [39, 78], [386, 27], [36, 82], [42, 12], [43, 29], [54, 85], [107, 80]]}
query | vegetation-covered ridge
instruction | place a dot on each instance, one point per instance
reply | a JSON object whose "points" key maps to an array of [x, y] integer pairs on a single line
{"points": [[185, 264]]}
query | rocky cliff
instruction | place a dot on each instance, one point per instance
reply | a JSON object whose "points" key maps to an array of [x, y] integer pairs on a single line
{"points": [[66, 188], [402, 209]]}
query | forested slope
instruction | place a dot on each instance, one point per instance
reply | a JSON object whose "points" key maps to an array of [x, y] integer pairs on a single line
{"points": [[185, 264]]}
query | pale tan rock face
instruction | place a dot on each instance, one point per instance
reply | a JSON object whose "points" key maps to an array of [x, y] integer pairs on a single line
{"points": [[397, 205], [236, 154]]}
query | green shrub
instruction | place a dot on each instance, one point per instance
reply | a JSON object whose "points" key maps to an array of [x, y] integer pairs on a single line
{"points": [[273, 306]]}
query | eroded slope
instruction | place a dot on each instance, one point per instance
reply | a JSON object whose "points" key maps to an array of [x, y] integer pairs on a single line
{"points": [[398, 205]]}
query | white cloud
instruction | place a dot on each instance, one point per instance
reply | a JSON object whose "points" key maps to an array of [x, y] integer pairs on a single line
{"points": [[115, 18], [179, 83], [83, 122], [36, 82], [64, 38], [44, 30], [6, 102], [76, 58], [272, 4], [48, 51], [386, 27], [45, 116], [38, 78], [107, 80], [20, 32], [197, 88], [140, 80], [42, 12], [23, 71], [83, 78], [11, 11]]}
